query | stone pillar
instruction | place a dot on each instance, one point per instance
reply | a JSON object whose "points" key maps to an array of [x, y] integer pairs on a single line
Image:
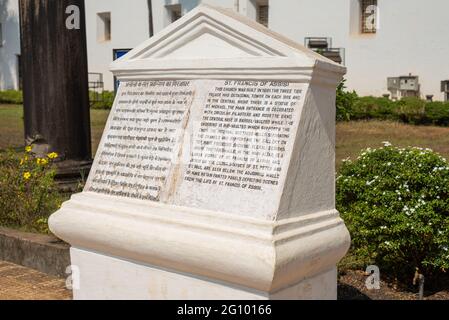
{"points": [[55, 85]]}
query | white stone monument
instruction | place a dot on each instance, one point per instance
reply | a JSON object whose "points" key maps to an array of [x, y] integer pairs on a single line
{"points": [[215, 177]]}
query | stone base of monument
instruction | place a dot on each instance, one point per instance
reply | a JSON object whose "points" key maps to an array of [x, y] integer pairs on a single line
{"points": [[163, 252], [101, 275]]}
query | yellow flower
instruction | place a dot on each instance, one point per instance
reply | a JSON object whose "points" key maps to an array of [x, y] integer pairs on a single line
{"points": [[26, 175], [28, 148], [52, 155], [42, 162]]}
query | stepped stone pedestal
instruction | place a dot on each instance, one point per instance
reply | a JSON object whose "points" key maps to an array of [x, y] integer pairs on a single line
{"points": [[215, 175]]}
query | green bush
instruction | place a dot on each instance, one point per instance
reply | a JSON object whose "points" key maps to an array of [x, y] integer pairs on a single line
{"points": [[395, 203], [373, 108], [106, 100], [410, 110], [28, 193], [11, 97], [437, 113], [345, 102]]}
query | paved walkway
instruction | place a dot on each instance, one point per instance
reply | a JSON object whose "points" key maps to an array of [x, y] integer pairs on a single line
{"points": [[20, 283]]}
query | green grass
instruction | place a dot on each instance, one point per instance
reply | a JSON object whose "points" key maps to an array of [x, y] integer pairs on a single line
{"points": [[98, 120], [11, 126], [356, 135], [351, 136]]}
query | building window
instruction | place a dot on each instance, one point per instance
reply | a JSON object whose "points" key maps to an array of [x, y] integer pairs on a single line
{"points": [[174, 12], [262, 13], [369, 16], [104, 26], [116, 54]]}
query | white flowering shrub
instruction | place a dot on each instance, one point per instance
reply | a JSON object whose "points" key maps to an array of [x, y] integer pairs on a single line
{"points": [[395, 203]]}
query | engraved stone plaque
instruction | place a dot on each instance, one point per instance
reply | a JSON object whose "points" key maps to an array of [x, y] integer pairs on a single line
{"points": [[211, 144]]}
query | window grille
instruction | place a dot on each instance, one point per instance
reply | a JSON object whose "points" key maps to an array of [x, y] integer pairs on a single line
{"points": [[368, 16]]}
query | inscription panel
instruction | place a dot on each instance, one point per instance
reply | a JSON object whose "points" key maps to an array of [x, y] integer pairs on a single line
{"points": [[240, 146], [213, 144], [141, 138], [243, 134]]}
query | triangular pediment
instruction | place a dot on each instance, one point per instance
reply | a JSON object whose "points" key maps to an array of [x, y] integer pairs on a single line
{"points": [[213, 33], [210, 40], [203, 37], [217, 47]]}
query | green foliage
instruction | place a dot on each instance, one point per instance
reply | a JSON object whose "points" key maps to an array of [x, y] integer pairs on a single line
{"points": [[437, 113], [106, 100], [344, 102], [11, 97], [395, 203], [408, 110], [28, 193], [373, 108]]}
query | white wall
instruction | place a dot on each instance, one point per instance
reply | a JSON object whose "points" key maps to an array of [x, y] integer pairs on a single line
{"points": [[10, 46], [129, 27], [412, 39]]}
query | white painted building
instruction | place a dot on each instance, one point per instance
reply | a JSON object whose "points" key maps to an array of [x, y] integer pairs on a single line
{"points": [[402, 37], [9, 45]]}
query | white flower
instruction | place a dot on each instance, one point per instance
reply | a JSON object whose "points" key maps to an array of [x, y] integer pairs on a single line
{"points": [[386, 144], [383, 227]]}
